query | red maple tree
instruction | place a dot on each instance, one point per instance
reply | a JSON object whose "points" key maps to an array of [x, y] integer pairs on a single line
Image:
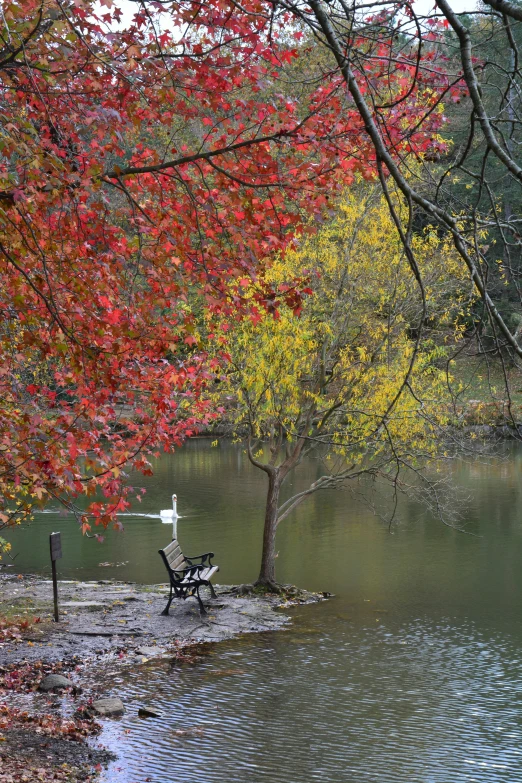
{"points": [[140, 162]]}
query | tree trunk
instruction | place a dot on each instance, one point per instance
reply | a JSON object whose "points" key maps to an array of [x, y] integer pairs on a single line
{"points": [[266, 576]]}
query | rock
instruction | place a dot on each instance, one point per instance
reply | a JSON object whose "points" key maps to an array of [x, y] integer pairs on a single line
{"points": [[144, 712], [110, 707], [55, 682], [149, 652]]}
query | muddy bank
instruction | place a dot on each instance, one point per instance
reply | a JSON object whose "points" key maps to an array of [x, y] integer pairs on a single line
{"points": [[103, 625]]}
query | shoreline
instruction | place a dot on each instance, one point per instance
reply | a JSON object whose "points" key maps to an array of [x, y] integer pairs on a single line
{"points": [[103, 625]]}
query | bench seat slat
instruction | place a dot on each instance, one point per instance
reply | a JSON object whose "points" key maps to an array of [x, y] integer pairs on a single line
{"points": [[171, 548], [206, 573], [179, 563], [175, 555]]}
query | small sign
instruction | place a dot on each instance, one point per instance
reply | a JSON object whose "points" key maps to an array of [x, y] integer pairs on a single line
{"points": [[56, 546], [55, 543]]}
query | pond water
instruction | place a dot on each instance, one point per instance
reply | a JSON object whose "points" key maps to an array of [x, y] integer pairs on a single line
{"points": [[411, 674]]}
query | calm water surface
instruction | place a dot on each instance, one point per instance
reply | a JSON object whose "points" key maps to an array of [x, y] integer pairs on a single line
{"points": [[411, 674]]}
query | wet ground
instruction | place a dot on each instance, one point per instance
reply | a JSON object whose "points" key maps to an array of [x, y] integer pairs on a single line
{"points": [[97, 617]]}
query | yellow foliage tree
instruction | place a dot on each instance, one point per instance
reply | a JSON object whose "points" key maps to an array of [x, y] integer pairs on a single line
{"points": [[360, 375]]}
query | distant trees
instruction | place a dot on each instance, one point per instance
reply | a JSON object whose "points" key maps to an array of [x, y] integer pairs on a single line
{"points": [[476, 188], [480, 179], [347, 379]]}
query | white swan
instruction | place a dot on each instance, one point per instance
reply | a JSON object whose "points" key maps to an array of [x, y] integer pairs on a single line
{"points": [[170, 514]]}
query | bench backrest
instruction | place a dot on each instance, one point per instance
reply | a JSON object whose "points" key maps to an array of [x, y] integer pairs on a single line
{"points": [[174, 556]]}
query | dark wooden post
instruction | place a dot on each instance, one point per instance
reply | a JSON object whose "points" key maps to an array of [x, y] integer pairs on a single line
{"points": [[55, 542]]}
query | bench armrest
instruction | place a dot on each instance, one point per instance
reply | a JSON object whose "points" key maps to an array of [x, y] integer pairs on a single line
{"points": [[205, 560]]}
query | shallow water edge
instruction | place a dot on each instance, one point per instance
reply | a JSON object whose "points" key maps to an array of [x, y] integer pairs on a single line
{"points": [[106, 627]]}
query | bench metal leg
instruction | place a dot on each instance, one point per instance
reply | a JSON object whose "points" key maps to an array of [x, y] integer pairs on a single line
{"points": [[202, 609], [212, 591], [171, 597]]}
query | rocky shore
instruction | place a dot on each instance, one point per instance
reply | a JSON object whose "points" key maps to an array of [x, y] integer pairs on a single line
{"points": [[50, 699]]}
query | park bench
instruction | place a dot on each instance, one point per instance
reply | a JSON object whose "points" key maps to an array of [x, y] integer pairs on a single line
{"points": [[186, 574]]}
